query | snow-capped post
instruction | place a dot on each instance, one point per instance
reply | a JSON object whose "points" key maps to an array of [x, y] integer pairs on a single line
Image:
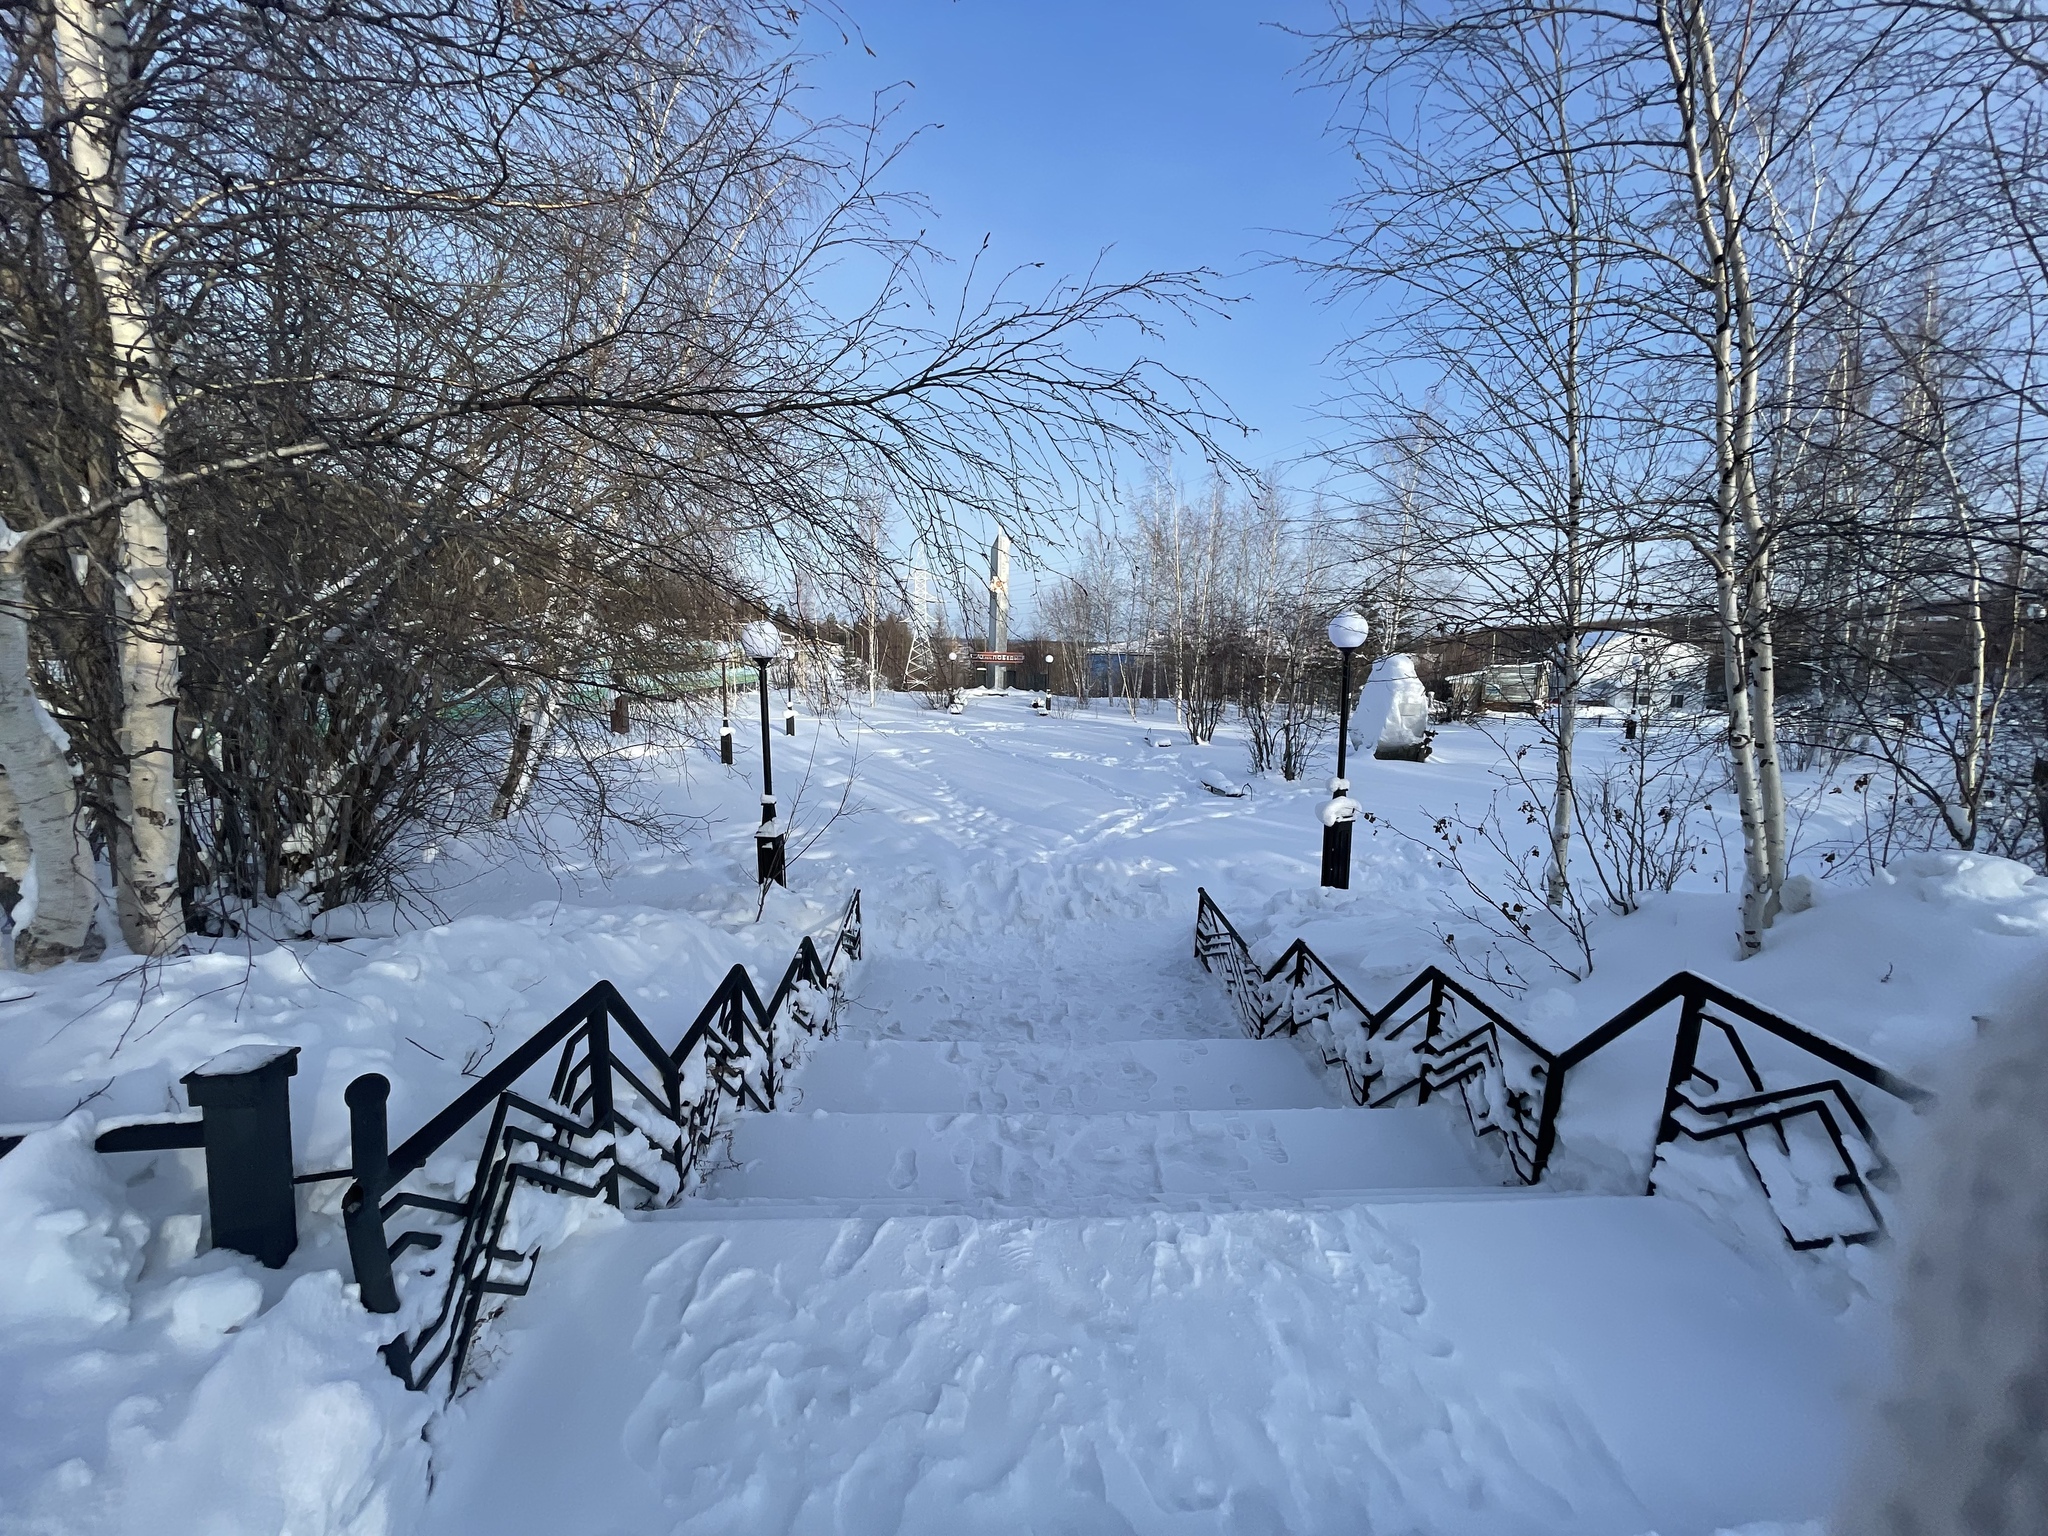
{"points": [[245, 1098], [1348, 631], [763, 643], [789, 698], [725, 703]]}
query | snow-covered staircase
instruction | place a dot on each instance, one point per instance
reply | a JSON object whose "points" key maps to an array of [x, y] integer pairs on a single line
{"points": [[1047, 1245], [1045, 1129]]}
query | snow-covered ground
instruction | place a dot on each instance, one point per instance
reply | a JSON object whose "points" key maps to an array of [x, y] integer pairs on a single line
{"points": [[1038, 1244]]}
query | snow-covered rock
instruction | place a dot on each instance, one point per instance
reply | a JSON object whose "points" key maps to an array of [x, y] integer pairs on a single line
{"points": [[1391, 719]]}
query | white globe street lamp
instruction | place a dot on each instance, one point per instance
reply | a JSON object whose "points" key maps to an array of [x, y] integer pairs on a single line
{"points": [[762, 642], [1348, 631]]}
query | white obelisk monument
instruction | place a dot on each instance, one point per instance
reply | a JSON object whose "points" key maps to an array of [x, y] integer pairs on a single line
{"points": [[998, 605]]}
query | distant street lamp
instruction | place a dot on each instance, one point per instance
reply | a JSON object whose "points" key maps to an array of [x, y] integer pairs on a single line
{"points": [[789, 698], [1348, 631], [725, 703], [763, 643]]}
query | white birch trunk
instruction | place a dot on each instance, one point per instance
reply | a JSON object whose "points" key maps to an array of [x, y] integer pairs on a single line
{"points": [[1563, 799], [1741, 575], [45, 798], [1962, 819], [91, 52], [536, 723]]}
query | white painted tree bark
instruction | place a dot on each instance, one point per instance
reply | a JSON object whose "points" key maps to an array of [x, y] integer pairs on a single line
{"points": [[45, 799], [91, 48]]}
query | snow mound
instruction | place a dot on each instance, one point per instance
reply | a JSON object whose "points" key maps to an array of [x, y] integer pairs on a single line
{"points": [[291, 1430], [160, 1396], [2010, 897], [1392, 714], [72, 1245]]}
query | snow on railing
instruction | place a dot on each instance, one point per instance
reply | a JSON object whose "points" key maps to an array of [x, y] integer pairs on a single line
{"points": [[1808, 1143]]}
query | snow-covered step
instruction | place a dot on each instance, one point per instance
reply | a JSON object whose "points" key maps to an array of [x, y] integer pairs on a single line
{"points": [[702, 1208], [858, 1076], [1050, 1160], [1573, 1366], [1112, 985]]}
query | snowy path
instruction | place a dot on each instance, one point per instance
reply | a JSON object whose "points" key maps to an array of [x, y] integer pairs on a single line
{"points": [[1037, 1244], [1040, 1243]]}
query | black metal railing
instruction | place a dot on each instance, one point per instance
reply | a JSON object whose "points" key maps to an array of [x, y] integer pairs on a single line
{"points": [[1809, 1145], [1435, 1037], [621, 1112], [1808, 1142]]}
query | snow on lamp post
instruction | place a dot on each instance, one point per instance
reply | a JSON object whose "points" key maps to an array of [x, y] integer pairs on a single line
{"points": [[763, 643], [1348, 631]]}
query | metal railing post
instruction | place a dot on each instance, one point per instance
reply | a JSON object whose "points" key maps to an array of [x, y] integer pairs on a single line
{"points": [[598, 1041], [362, 1208], [1685, 1053], [1429, 1033]]}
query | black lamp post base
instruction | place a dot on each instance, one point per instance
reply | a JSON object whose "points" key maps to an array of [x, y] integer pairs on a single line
{"points": [[725, 746], [771, 859], [1337, 855]]}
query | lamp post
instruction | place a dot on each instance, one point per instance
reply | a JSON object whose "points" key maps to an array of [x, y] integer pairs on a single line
{"points": [[1348, 631], [789, 698], [724, 703], [763, 643]]}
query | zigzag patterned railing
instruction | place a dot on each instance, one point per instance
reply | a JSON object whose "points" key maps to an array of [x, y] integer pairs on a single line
{"points": [[1809, 1145], [597, 1104]]}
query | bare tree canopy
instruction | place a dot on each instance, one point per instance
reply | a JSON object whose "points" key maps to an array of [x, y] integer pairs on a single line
{"points": [[1708, 319], [385, 389]]}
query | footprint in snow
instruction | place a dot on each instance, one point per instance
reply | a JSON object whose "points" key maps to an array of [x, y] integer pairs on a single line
{"points": [[904, 1175], [849, 1247]]}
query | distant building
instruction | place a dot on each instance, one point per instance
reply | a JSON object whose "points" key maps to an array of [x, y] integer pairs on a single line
{"points": [[1522, 685], [1643, 672], [1124, 669]]}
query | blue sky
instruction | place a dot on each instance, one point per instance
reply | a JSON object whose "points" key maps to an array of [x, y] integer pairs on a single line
{"points": [[1174, 135]]}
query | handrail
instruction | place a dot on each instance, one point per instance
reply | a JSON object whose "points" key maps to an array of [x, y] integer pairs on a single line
{"points": [[1217, 937], [584, 1078], [412, 1153]]}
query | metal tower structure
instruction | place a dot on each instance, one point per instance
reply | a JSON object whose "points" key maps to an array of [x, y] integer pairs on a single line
{"points": [[917, 673]]}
